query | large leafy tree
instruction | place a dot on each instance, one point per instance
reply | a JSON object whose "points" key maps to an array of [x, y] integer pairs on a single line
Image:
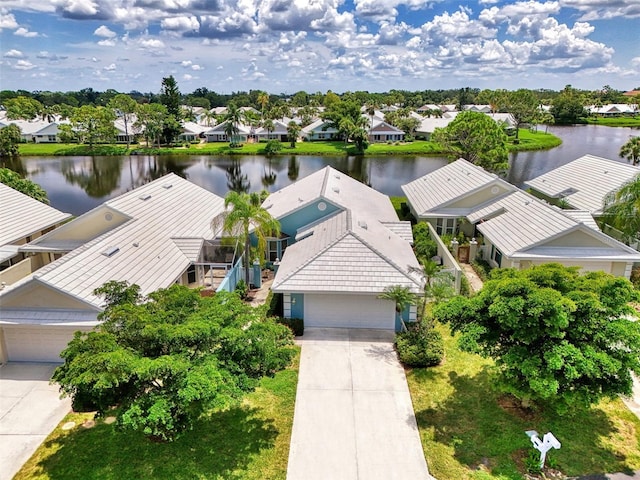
{"points": [[244, 215], [22, 108], [568, 107], [9, 140], [167, 360], [23, 185], [631, 150], [92, 125], [125, 107], [558, 338], [522, 104], [622, 209], [150, 118], [476, 137]]}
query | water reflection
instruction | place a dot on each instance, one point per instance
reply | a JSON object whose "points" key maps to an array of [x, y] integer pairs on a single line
{"points": [[293, 170], [77, 184], [97, 176], [236, 180]]}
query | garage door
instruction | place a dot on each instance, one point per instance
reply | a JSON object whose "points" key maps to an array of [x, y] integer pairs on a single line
{"points": [[348, 311], [35, 343]]}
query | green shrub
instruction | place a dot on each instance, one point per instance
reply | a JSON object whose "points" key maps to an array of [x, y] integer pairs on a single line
{"points": [[482, 268], [423, 245], [420, 346], [295, 324], [241, 289], [273, 146]]}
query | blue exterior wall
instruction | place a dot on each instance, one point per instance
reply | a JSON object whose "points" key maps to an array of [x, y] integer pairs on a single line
{"points": [[309, 214], [297, 309], [232, 277]]}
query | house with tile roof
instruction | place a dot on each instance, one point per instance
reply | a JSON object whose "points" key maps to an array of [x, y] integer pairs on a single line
{"points": [[153, 236], [517, 229], [341, 245]]}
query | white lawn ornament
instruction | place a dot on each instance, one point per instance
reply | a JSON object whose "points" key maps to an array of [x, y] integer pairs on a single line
{"points": [[548, 442]]}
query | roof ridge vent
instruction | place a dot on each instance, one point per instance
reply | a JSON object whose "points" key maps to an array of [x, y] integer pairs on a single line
{"points": [[336, 189], [167, 186], [110, 251], [362, 224], [145, 196]]}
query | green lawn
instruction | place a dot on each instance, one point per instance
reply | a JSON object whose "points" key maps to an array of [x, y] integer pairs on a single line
{"points": [[533, 140], [250, 441], [465, 423], [616, 121], [528, 141]]}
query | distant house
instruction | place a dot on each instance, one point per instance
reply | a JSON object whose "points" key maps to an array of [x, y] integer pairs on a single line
{"points": [[341, 245], [154, 236], [320, 130], [23, 219], [613, 110], [279, 131], [518, 229], [192, 132], [217, 133], [382, 131]]}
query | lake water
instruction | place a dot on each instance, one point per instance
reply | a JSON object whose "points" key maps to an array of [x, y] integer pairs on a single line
{"points": [[78, 184]]}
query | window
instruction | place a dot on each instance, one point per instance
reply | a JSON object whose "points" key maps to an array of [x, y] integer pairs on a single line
{"points": [[496, 255], [273, 250], [446, 226]]}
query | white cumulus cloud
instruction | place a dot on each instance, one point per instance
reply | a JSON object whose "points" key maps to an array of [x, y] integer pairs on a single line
{"points": [[104, 32], [13, 53]]}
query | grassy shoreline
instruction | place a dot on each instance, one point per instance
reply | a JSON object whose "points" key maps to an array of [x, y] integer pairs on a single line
{"points": [[615, 121], [528, 141]]}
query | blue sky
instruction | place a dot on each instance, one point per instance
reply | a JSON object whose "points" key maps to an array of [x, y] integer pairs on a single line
{"points": [[317, 45]]}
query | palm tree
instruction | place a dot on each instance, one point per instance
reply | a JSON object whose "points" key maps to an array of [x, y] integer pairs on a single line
{"points": [[622, 209], [631, 150], [233, 117], [269, 127], [437, 284], [401, 295], [245, 217], [293, 130], [263, 101]]}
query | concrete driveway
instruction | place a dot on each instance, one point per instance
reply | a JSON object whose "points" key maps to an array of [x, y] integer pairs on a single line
{"points": [[30, 409], [353, 416]]}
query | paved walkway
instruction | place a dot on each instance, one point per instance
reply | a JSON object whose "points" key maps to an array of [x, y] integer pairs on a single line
{"points": [[354, 418], [474, 280], [30, 409]]}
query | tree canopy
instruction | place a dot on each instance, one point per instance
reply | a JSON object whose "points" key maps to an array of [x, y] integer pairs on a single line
{"points": [[171, 358], [558, 338], [475, 137], [10, 137], [23, 185]]}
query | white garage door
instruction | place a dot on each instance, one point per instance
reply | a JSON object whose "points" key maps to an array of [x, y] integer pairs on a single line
{"points": [[348, 311], [36, 343]]}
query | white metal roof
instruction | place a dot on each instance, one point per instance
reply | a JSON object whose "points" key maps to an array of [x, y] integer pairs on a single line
{"points": [[520, 225], [152, 249], [585, 182], [334, 186], [348, 253], [446, 184], [21, 215], [49, 316]]}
